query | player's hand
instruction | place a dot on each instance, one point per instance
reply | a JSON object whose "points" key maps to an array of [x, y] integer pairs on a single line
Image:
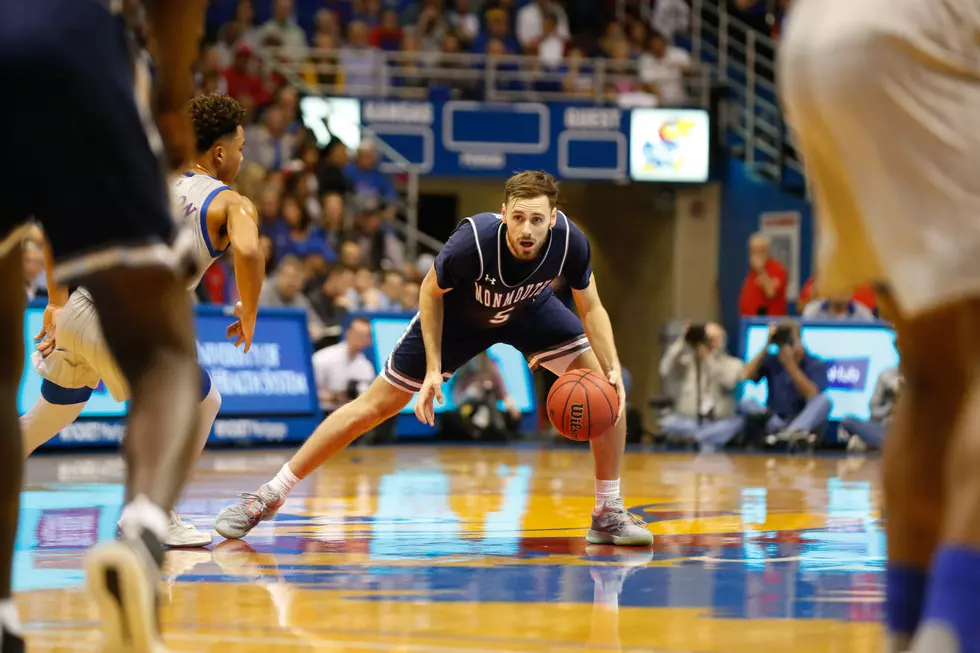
{"points": [[45, 337], [431, 390], [244, 329], [786, 356], [615, 377]]}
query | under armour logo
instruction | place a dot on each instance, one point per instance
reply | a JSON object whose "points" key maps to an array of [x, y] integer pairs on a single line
{"points": [[492, 282]]}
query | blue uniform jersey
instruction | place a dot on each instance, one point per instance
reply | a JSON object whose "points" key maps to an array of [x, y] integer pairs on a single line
{"points": [[490, 286]]}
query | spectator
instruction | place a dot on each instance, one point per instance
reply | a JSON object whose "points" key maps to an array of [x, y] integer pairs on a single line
{"points": [[865, 293], [579, 78], [392, 289], [530, 22], [296, 235], [861, 435], [613, 34], [33, 256], [241, 31], [285, 290], [342, 370], [325, 24], [838, 307], [269, 144], [268, 254], [453, 73], [551, 45], [287, 99], [268, 206], [465, 22], [410, 296], [330, 300], [705, 377], [380, 247], [407, 71], [324, 68], [638, 37], [507, 77], [368, 183], [370, 13], [364, 295], [362, 67], [351, 254], [662, 69], [764, 289], [388, 34], [498, 27], [432, 25], [477, 388], [797, 407], [244, 84], [285, 30], [670, 18]]}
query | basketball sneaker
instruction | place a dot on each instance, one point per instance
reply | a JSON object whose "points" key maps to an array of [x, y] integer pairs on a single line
{"points": [[123, 577], [613, 524], [235, 521], [181, 535]]}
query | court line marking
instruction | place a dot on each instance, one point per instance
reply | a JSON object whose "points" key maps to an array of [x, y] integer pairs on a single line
{"points": [[70, 638]]}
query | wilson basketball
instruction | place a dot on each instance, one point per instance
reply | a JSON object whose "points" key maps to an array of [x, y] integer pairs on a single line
{"points": [[582, 404]]}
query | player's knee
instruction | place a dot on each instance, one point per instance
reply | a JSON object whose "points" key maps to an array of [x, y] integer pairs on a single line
{"points": [[380, 401]]}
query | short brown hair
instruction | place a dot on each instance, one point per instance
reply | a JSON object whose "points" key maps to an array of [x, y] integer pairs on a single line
{"points": [[214, 117], [530, 184]]}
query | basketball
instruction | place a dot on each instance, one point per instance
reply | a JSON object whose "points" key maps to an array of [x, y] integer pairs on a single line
{"points": [[582, 404]]}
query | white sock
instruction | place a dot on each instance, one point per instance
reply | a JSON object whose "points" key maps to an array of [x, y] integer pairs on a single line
{"points": [[605, 490], [9, 617], [141, 512], [284, 481], [44, 420]]}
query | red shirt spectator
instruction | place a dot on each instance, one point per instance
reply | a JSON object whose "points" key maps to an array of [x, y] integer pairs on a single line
{"points": [[242, 81], [764, 290]]}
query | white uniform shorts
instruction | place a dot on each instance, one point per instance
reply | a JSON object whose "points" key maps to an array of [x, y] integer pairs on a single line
{"points": [[884, 100], [82, 357]]}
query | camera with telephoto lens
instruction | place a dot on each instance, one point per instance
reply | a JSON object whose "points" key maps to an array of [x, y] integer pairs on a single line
{"points": [[696, 335], [782, 336]]}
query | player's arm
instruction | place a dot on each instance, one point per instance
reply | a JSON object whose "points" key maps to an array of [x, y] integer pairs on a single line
{"points": [[176, 27], [243, 232], [57, 297], [431, 314], [597, 325]]}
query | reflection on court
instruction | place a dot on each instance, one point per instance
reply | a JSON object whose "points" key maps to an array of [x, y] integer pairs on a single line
{"points": [[482, 549]]}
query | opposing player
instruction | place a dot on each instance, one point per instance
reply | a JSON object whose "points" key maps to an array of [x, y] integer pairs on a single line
{"points": [[72, 354], [80, 155], [489, 284], [884, 96]]}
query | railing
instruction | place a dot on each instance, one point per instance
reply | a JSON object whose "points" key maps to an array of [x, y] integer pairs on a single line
{"points": [[744, 61], [410, 229], [419, 75]]}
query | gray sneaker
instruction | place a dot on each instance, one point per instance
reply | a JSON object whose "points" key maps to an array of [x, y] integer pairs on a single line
{"points": [[235, 521], [614, 525]]}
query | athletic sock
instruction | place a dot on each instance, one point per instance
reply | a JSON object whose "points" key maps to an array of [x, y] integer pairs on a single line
{"points": [[605, 490], [284, 481], [9, 619], [905, 597], [143, 514], [950, 623]]}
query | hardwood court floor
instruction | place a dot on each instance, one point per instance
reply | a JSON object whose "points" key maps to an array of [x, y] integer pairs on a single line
{"points": [[436, 550]]}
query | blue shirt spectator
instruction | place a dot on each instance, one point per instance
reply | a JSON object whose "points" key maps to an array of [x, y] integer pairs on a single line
{"points": [[784, 397], [294, 234], [369, 184]]}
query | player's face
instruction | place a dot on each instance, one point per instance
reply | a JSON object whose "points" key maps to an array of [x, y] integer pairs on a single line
{"points": [[229, 154], [528, 222]]}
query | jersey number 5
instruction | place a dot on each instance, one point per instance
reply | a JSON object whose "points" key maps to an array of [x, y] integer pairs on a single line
{"points": [[502, 316]]}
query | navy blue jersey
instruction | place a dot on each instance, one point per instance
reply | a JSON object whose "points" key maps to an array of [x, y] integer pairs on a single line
{"points": [[490, 286]]}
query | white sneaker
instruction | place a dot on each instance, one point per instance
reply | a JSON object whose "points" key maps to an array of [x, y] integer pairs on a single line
{"points": [[856, 445], [181, 535]]}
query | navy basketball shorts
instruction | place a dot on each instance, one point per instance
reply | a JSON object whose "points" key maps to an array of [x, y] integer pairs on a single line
{"points": [[78, 149], [546, 332]]}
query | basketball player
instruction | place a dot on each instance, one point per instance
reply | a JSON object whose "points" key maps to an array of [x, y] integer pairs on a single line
{"points": [[491, 283], [73, 356], [884, 98], [80, 155]]}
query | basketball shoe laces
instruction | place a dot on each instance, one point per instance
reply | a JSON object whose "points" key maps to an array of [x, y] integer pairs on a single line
{"points": [[253, 504]]}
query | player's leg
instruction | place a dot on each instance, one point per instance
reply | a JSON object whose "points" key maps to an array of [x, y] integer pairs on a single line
{"points": [[12, 300], [551, 336], [944, 497], [49, 415], [379, 402], [400, 379]]}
